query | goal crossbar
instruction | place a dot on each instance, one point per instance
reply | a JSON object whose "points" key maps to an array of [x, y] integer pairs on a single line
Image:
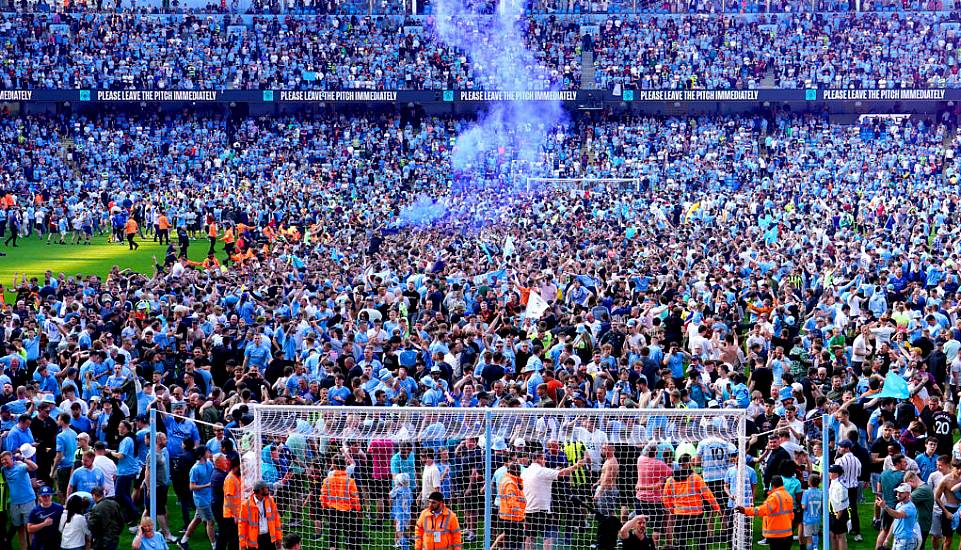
{"points": [[581, 183]]}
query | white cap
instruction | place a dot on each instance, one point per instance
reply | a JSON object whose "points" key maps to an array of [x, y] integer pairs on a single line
{"points": [[903, 488], [27, 450]]}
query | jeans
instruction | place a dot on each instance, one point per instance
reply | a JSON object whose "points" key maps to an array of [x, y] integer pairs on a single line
{"points": [[123, 486]]}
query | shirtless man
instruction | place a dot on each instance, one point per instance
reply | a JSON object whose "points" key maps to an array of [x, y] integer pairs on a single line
{"points": [[607, 499], [944, 468], [948, 501]]}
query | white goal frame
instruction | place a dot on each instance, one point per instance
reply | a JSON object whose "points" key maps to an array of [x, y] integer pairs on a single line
{"points": [[583, 184], [269, 423]]}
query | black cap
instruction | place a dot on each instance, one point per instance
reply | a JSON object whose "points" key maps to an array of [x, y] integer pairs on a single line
{"points": [[436, 495], [846, 443], [835, 469]]}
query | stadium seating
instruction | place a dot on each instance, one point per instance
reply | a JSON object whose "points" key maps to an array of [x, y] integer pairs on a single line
{"points": [[208, 52]]}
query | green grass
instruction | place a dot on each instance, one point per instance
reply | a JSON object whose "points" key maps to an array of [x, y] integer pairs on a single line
{"points": [[34, 256]]}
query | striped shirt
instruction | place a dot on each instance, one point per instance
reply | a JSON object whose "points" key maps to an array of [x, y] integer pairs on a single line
{"points": [[852, 470]]}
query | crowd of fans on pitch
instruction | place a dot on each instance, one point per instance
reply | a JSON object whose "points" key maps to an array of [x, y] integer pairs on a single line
{"points": [[815, 256], [902, 49]]}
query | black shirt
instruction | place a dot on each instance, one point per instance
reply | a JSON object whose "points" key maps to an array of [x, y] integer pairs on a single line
{"points": [[880, 448], [47, 538], [941, 426], [762, 379], [632, 542]]}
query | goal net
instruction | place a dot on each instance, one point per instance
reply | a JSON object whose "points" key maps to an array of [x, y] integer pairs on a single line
{"points": [[624, 185], [358, 478]]}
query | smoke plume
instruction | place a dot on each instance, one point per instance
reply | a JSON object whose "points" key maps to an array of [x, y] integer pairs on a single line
{"points": [[498, 53]]}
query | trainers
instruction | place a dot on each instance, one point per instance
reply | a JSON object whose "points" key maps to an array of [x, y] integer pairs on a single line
{"points": [[858, 538], [171, 538], [762, 542], [876, 522], [183, 545]]}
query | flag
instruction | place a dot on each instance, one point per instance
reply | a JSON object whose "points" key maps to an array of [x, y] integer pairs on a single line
{"points": [[508, 247], [488, 277], [536, 306], [894, 386]]}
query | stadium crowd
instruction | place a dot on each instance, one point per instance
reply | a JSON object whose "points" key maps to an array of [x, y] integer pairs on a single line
{"points": [[783, 264], [221, 52], [211, 52]]}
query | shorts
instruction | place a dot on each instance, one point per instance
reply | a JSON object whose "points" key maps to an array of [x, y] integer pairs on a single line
{"points": [[19, 513], [839, 523], [811, 529], [946, 530], [63, 478], [513, 532], [655, 513], [205, 513], [886, 521], [904, 544], [161, 500], [608, 502], [936, 522], [539, 524], [379, 487]]}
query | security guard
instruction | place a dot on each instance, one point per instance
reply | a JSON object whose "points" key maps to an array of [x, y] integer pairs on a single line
{"points": [[778, 514], [437, 527], [233, 494], [260, 506], [340, 498], [513, 507], [684, 497]]}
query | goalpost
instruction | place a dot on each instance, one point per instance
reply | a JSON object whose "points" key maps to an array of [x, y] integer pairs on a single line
{"points": [[630, 459], [582, 184]]}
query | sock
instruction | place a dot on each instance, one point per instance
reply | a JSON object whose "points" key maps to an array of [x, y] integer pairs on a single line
{"points": [[184, 538]]}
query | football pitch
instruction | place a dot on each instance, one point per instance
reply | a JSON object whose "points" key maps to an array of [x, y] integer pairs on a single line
{"points": [[33, 257]]}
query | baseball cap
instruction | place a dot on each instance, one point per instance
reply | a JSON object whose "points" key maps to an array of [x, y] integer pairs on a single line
{"points": [[846, 443], [835, 469], [46, 491], [903, 488]]}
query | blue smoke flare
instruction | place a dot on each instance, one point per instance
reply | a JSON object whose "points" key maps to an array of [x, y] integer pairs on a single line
{"points": [[500, 57], [423, 212]]}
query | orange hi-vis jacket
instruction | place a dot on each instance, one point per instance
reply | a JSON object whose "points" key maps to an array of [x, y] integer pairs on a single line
{"points": [[339, 492], [163, 222], [439, 531], [212, 230], [513, 504], [777, 513], [228, 236], [248, 528], [131, 227], [686, 498], [233, 494]]}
